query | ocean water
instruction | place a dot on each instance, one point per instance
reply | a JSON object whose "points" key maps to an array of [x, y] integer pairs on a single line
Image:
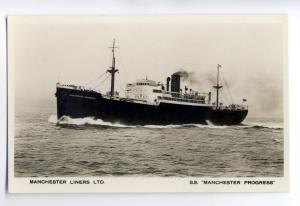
{"points": [[45, 147]]}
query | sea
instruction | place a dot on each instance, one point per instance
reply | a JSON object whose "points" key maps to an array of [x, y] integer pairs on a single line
{"points": [[47, 147]]}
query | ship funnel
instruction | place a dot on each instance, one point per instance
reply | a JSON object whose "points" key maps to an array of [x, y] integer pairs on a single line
{"points": [[168, 83], [175, 83]]}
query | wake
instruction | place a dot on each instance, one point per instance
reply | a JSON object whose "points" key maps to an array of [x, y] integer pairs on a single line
{"points": [[65, 120]]}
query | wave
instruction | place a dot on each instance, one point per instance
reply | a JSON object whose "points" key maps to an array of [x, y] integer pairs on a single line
{"points": [[184, 126], [269, 125], [65, 120], [52, 119]]}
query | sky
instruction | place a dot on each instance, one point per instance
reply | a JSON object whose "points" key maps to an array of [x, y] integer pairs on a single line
{"points": [[74, 50]]}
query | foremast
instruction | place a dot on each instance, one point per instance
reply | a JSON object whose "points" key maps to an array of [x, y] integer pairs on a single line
{"points": [[218, 86], [113, 70]]}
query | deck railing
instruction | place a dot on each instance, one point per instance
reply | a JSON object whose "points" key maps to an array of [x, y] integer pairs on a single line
{"points": [[197, 97]]}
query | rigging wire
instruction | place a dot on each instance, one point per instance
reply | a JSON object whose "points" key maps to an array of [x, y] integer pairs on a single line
{"points": [[106, 58], [228, 89], [94, 80], [121, 64], [122, 83], [101, 82], [225, 97]]}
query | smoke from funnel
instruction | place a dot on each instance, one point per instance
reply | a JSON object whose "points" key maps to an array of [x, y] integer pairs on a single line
{"points": [[200, 80]]}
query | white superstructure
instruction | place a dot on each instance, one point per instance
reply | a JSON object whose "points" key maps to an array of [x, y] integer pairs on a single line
{"points": [[144, 90], [151, 92]]}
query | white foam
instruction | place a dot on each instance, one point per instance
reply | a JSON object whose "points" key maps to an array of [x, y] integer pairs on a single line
{"points": [[184, 125], [52, 119], [211, 126], [162, 126], [65, 120]]}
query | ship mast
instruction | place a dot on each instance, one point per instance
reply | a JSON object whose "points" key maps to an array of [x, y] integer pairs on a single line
{"points": [[217, 87], [113, 70]]}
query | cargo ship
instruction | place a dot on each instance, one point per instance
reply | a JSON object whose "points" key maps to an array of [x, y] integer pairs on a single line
{"points": [[147, 102]]}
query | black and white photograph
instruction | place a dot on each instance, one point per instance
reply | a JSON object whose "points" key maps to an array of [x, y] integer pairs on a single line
{"points": [[198, 100]]}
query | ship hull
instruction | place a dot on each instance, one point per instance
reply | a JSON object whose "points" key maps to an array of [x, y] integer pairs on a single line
{"points": [[227, 117], [79, 104], [82, 103]]}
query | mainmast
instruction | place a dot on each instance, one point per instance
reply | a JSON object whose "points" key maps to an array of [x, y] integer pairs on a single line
{"points": [[113, 70], [218, 86]]}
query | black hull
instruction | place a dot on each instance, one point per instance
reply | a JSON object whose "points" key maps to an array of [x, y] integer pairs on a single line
{"points": [[227, 117], [80, 104]]}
